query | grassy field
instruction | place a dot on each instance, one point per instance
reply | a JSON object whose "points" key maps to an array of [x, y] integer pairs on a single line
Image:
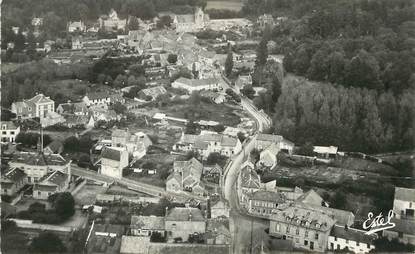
{"points": [[88, 193], [222, 113], [234, 5]]}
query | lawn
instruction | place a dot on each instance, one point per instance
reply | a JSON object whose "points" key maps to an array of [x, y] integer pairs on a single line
{"points": [[222, 113]]}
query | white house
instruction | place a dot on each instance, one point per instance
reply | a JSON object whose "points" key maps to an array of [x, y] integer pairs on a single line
{"points": [[113, 161], [197, 84], [76, 26], [190, 22], [97, 98], [37, 106], [112, 22], [9, 131], [219, 209], [354, 240], [404, 203]]}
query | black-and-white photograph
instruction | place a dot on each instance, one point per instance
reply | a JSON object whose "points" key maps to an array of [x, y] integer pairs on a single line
{"points": [[207, 126]]}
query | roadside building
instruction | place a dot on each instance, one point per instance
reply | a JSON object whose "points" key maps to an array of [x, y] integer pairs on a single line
{"points": [[352, 239], [268, 156], [219, 208], [37, 166], [9, 132], [307, 228], [264, 203], [191, 85], [186, 176], [263, 141], [181, 222], [113, 161], [248, 182]]}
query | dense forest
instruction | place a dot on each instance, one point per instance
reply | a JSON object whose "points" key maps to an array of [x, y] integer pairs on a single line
{"points": [[364, 53], [355, 119]]}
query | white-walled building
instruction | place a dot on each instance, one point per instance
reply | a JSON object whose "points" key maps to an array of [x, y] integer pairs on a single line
{"points": [[38, 106], [197, 84], [113, 161], [354, 240], [404, 203], [9, 132]]}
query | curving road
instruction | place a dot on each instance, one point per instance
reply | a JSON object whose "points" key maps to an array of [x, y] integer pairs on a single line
{"points": [[248, 232]]}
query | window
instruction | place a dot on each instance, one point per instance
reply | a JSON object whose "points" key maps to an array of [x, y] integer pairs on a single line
{"points": [[368, 246], [305, 242], [5, 191], [316, 236], [284, 237], [306, 233], [338, 246], [12, 132], [297, 231], [335, 238], [297, 240], [39, 193], [400, 234], [288, 229], [4, 132], [357, 244], [347, 241]]}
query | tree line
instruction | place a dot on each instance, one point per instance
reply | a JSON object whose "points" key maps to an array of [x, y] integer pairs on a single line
{"points": [[355, 119]]}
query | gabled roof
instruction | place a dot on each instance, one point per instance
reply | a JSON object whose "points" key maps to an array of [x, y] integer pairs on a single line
{"points": [[176, 176], [55, 146], [311, 197], [269, 196], [44, 187], [97, 95], [39, 159], [269, 137], [110, 153], [147, 222], [405, 194], [58, 178], [352, 234], [306, 216], [15, 175], [9, 125], [40, 98], [250, 178]]}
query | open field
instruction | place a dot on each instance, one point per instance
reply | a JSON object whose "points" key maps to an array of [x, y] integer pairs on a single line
{"points": [[235, 5]]}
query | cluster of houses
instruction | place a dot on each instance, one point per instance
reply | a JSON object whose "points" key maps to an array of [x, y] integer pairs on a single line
{"points": [[94, 107], [304, 218], [44, 172], [179, 226], [117, 153], [207, 143]]}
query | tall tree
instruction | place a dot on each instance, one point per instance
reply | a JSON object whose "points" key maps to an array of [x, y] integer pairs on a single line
{"points": [[229, 62]]}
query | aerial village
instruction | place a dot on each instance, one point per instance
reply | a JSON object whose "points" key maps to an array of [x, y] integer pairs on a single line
{"points": [[172, 155]]}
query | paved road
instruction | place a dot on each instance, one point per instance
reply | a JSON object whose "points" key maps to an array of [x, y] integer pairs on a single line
{"points": [[248, 232], [138, 186]]}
